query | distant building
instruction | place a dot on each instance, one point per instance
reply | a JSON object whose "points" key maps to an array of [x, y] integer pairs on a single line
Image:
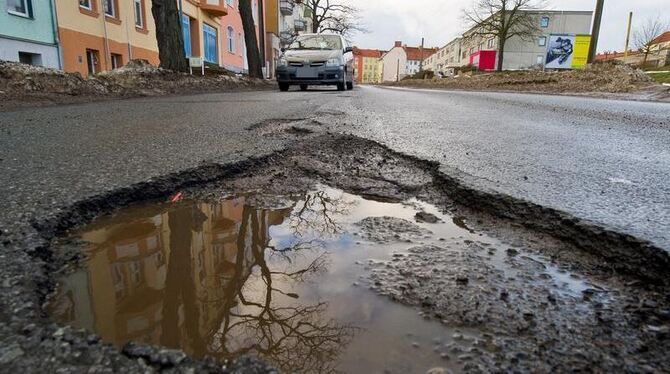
{"points": [[402, 61], [28, 32], [446, 59], [658, 56], [368, 65], [527, 53], [284, 20]]}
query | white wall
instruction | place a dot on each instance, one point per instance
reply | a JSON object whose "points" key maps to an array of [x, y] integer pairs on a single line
{"points": [[391, 60], [10, 48]]}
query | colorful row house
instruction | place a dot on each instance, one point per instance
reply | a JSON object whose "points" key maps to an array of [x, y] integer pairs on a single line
{"points": [[28, 32], [92, 36]]}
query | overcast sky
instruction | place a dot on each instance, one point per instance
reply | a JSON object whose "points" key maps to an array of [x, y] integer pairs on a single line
{"points": [[439, 21]]}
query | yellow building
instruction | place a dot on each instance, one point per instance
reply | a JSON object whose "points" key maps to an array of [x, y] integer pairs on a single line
{"points": [[369, 65], [100, 35]]}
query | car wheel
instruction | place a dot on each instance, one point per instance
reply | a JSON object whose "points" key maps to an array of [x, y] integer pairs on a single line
{"points": [[283, 87], [303, 87], [341, 86], [350, 85]]}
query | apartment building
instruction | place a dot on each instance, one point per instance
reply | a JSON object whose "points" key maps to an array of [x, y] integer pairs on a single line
{"points": [[28, 32], [284, 19], [402, 61], [203, 33], [234, 52], [446, 59], [368, 65], [530, 52], [100, 35]]}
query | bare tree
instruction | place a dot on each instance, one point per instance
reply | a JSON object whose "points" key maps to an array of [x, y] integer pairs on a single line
{"points": [[250, 39], [503, 20], [169, 35], [644, 36], [335, 16]]}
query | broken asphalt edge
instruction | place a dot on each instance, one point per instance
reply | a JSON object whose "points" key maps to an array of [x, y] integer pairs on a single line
{"points": [[623, 253]]}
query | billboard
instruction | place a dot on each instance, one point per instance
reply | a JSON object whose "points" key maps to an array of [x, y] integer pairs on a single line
{"points": [[567, 51]]}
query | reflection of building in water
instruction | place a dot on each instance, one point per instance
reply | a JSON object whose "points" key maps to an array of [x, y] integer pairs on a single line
{"points": [[162, 279]]}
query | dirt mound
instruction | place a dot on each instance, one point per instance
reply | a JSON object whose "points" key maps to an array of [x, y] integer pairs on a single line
{"points": [[598, 78], [22, 85]]}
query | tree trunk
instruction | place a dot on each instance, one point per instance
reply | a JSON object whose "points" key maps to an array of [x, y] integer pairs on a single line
{"points": [[169, 35], [313, 4], [250, 40], [501, 54]]}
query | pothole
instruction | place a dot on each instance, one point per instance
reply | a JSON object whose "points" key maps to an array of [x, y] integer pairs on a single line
{"points": [[287, 278], [381, 273]]}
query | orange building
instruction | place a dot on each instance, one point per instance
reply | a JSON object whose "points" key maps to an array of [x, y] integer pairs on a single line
{"points": [[100, 35]]}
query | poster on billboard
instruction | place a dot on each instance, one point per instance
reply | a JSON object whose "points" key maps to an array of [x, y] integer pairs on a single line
{"points": [[567, 51]]}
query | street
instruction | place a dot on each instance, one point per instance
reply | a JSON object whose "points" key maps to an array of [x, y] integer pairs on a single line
{"points": [[602, 160], [465, 226]]}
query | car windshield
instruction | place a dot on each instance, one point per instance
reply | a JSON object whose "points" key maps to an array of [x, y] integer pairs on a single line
{"points": [[318, 42]]}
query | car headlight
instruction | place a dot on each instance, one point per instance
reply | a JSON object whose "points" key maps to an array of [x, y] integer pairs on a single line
{"points": [[282, 62], [333, 62]]}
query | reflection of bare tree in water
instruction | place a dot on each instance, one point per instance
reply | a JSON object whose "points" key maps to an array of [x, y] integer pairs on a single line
{"points": [[316, 214], [294, 337]]}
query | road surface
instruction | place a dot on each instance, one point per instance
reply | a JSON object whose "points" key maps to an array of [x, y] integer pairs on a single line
{"points": [[604, 160]]}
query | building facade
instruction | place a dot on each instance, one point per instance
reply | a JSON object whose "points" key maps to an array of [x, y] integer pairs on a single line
{"points": [[368, 65], [203, 33], [402, 61], [28, 32], [234, 55], [445, 61], [284, 20], [100, 35], [530, 52]]}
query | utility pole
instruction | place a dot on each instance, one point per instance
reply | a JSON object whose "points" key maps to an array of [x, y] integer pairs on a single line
{"points": [[595, 32], [397, 72], [630, 22], [421, 66]]}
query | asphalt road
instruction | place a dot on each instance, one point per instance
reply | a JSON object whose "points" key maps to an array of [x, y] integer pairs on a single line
{"points": [[604, 160]]}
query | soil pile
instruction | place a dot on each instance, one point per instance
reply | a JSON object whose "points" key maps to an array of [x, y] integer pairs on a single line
{"points": [[22, 84], [596, 78]]}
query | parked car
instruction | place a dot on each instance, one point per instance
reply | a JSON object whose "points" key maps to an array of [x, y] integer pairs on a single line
{"points": [[316, 59]]}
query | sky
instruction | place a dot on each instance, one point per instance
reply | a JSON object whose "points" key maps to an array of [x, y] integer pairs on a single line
{"points": [[439, 21]]}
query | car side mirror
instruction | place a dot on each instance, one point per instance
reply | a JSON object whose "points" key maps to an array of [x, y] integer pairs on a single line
{"points": [[348, 49]]}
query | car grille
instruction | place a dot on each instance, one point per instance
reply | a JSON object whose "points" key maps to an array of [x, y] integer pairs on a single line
{"points": [[295, 63], [317, 63]]}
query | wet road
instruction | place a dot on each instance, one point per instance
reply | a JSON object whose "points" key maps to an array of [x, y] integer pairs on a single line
{"points": [[607, 161]]}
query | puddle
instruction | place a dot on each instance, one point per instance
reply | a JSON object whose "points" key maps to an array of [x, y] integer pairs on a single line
{"points": [[283, 277]]}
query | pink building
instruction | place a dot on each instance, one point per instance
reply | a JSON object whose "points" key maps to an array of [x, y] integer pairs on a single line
{"points": [[234, 53]]}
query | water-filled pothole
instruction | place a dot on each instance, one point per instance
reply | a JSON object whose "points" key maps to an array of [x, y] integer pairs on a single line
{"points": [[288, 278]]}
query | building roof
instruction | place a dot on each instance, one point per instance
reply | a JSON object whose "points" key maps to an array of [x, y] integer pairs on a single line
{"points": [[375, 53], [414, 53], [608, 56], [665, 37]]}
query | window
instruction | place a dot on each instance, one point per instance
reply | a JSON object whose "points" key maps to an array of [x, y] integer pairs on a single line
{"points": [[117, 61], [210, 41], [491, 43], [19, 7], [540, 59], [30, 58], [109, 7], [86, 4], [544, 22], [139, 13], [92, 61], [542, 41], [231, 39], [231, 3]]}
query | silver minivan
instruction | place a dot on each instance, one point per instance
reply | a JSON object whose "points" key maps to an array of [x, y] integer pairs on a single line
{"points": [[316, 59]]}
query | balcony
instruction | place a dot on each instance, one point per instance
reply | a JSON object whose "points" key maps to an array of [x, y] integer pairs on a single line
{"points": [[286, 37], [286, 7], [300, 24], [216, 8]]}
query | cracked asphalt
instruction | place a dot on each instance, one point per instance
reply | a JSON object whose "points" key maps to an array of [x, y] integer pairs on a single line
{"points": [[603, 160]]}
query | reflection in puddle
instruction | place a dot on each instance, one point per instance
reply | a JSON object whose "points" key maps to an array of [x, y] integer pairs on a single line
{"points": [[253, 274]]}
